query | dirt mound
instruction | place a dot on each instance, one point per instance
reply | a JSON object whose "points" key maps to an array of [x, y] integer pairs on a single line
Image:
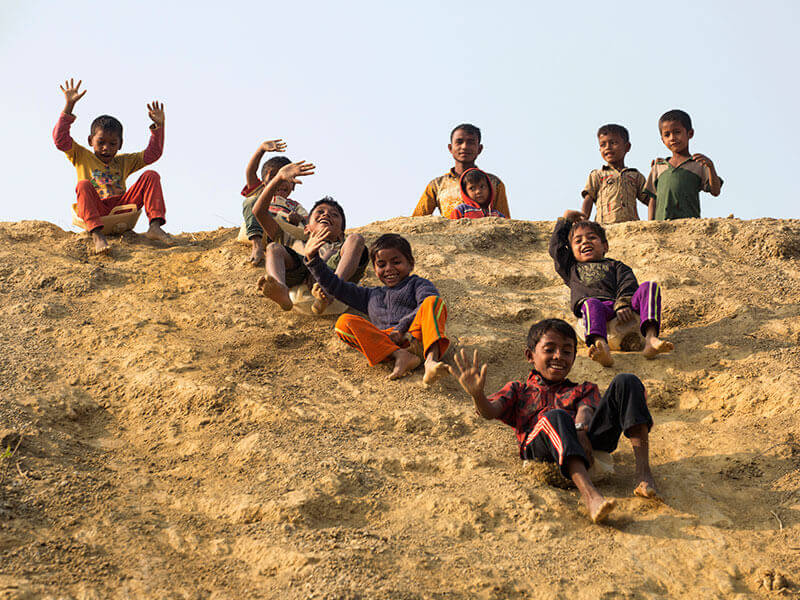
{"points": [[178, 437]]}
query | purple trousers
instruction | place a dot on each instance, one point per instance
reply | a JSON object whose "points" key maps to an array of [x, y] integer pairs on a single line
{"points": [[646, 302]]}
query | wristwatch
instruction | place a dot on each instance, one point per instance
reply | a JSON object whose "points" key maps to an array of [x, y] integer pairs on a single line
{"points": [[581, 427]]}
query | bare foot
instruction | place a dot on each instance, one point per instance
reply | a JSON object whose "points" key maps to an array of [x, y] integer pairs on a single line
{"points": [[321, 302], [600, 352], [256, 255], [404, 363], [433, 370], [100, 243], [600, 509], [647, 489], [275, 291], [654, 346], [154, 232]]}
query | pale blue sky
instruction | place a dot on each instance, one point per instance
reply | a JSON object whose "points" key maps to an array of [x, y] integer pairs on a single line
{"points": [[369, 92]]}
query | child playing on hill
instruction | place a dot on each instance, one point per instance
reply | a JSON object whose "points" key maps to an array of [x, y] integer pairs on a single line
{"points": [[282, 206], [444, 192], [557, 420], [614, 188], [285, 267], [674, 183], [406, 314], [602, 288], [102, 172], [477, 194]]}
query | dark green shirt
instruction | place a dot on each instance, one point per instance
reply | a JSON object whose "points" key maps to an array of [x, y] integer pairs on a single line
{"points": [[677, 189]]}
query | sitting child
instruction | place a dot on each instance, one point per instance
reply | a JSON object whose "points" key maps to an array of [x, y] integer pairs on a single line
{"points": [[477, 193], [674, 183], [602, 288], [614, 188], [102, 172], [284, 265], [282, 206], [557, 420], [406, 314], [444, 192]]}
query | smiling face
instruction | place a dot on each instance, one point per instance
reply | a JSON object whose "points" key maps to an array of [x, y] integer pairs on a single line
{"points": [[464, 147], [553, 355], [325, 215], [105, 144], [675, 136], [613, 149], [392, 266], [587, 245]]}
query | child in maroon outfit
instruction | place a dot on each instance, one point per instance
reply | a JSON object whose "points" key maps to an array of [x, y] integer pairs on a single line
{"points": [[102, 172], [557, 420]]}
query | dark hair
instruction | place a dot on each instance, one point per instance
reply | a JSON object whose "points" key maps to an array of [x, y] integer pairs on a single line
{"points": [[680, 116], [537, 331], [613, 129], [593, 226], [330, 202], [391, 240], [107, 123], [273, 164], [468, 128], [474, 176]]}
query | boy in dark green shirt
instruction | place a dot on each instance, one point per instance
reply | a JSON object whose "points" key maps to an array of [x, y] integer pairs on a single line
{"points": [[674, 184]]}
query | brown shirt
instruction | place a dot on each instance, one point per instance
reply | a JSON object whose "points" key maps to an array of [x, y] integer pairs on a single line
{"points": [[615, 193]]}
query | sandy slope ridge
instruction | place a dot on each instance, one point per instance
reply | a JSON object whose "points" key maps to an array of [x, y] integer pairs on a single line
{"points": [[182, 438]]}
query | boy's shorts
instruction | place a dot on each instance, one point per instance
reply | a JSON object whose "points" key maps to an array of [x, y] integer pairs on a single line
{"points": [[300, 273]]}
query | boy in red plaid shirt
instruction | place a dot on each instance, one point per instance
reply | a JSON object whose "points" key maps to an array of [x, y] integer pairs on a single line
{"points": [[557, 420]]}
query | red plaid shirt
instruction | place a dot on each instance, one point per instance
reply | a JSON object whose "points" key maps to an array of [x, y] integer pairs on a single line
{"points": [[523, 404]]}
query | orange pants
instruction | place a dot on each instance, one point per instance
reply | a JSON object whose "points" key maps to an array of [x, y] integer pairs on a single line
{"points": [[376, 345]]}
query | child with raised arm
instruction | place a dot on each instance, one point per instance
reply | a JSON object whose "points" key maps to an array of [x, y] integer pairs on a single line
{"points": [[674, 183], [444, 192], [102, 171], [285, 268], [614, 188], [286, 209], [557, 420], [406, 315], [602, 288], [477, 193]]}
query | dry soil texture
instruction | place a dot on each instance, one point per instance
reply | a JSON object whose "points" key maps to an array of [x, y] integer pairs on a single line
{"points": [[180, 437]]}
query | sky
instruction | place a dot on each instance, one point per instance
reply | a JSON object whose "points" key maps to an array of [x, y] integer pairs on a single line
{"points": [[369, 91]]}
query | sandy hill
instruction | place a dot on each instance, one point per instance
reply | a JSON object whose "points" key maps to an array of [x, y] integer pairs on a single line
{"points": [[179, 437]]}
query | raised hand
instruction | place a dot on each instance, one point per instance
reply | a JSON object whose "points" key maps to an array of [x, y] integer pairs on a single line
{"points": [[72, 94], [471, 375], [292, 171], [315, 241], [156, 113], [273, 146]]}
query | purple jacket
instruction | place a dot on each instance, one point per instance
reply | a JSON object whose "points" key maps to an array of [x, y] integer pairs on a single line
{"points": [[387, 307]]}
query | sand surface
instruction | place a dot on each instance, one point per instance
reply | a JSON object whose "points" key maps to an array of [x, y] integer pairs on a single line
{"points": [[183, 438]]}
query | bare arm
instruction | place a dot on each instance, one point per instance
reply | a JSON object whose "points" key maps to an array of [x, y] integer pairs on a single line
{"points": [[651, 209], [714, 182], [586, 207], [289, 173], [472, 377]]}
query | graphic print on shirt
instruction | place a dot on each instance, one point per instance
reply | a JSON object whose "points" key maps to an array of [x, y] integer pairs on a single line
{"points": [[592, 272], [106, 183]]}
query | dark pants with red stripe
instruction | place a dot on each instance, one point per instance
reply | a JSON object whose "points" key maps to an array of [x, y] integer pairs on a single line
{"points": [[554, 437]]}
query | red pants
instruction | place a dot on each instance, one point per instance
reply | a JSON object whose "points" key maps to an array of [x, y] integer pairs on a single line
{"points": [[145, 192], [376, 345]]}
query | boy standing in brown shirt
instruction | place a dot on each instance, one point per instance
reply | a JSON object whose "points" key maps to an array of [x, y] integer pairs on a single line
{"points": [[614, 188]]}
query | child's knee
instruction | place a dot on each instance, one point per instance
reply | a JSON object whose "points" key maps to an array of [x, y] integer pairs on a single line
{"points": [[628, 381], [343, 322], [150, 176], [354, 241], [84, 185]]}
